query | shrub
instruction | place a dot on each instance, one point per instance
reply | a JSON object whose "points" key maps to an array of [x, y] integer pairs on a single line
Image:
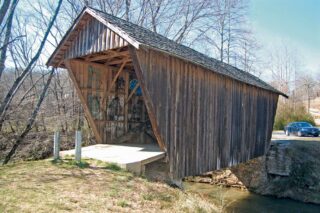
{"points": [[286, 113]]}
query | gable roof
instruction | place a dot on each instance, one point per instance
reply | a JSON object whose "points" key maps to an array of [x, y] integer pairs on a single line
{"points": [[139, 36]]}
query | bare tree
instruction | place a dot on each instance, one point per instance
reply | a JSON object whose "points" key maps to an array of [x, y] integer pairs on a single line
{"points": [[246, 57], [30, 121], [226, 29], [18, 82], [192, 14], [306, 88], [282, 65]]}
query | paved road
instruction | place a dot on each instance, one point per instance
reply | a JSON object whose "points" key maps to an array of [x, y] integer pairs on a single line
{"points": [[279, 135]]}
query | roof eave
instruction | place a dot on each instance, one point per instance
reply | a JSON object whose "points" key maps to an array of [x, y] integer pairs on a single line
{"points": [[87, 10], [283, 94], [175, 55]]}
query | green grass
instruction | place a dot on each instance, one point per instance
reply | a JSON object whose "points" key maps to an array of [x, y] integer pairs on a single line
{"points": [[113, 167], [148, 197], [71, 163], [68, 161], [88, 186], [123, 203]]}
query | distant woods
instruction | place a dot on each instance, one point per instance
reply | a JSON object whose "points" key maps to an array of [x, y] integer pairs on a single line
{"points": [[21, 76], [291, 76]]}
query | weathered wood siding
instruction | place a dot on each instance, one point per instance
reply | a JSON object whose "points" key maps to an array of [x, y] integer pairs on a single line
{"points": [[92, 83], [207, 121], [93, 37]]}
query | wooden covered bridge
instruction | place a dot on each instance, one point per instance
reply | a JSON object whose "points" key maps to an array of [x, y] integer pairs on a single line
{"points": [[202, 113]]}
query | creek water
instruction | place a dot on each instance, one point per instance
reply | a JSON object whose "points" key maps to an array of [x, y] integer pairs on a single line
{"points": [[241, 201]]}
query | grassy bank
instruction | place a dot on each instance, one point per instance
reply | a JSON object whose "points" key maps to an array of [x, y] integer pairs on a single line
{"points": [[44, 186]]}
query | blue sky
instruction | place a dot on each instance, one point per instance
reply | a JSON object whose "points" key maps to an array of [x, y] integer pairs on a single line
{"points": [[295, 22]]}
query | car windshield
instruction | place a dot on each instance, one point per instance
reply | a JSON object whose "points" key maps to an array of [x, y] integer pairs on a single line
{"points": [[303, 125]]}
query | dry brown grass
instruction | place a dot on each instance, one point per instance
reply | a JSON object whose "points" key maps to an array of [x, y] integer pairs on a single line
{"points": [[43, 186]]}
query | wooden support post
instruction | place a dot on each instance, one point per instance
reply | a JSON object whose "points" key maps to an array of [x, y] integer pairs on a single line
{"points": [[143, 118], [78, 141], [103, 105], [56, 145], [126, 88]]}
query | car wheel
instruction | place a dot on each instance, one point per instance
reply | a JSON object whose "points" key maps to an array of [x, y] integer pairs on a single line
{"points": [[300, 134], [287, 133]]}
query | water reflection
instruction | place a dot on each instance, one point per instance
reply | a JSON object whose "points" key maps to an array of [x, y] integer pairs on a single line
{"points": [[239, 201]]}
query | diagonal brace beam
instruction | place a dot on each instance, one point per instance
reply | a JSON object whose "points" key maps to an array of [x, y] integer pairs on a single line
{"points": [[106, 95], [132, 92], [117, 75]]}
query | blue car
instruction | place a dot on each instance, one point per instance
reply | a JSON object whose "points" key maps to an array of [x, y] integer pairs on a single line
{"points": [[301, 129]]}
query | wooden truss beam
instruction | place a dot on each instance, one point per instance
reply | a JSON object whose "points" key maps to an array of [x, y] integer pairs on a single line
{"points": [[108, 55], [103, 66], [119, 61]]}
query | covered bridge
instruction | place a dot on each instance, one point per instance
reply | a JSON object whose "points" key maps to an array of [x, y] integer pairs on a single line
{"points": [[203, 113]]}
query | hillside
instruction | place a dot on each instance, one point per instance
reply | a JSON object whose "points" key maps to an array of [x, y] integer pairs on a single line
{"points": [[314, 109], [44, 186]]}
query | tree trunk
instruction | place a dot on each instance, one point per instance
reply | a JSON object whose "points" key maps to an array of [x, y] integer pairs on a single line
{"points": [[30, 121], [221, 46], [7, 35], [18, 82], [4, 9], [128, 3]]}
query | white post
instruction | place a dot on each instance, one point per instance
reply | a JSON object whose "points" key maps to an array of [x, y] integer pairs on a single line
{"points": [[56, 145], [78, 146]]}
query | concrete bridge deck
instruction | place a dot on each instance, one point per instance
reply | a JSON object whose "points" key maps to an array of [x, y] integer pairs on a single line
{"points": [[132, 157]]}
